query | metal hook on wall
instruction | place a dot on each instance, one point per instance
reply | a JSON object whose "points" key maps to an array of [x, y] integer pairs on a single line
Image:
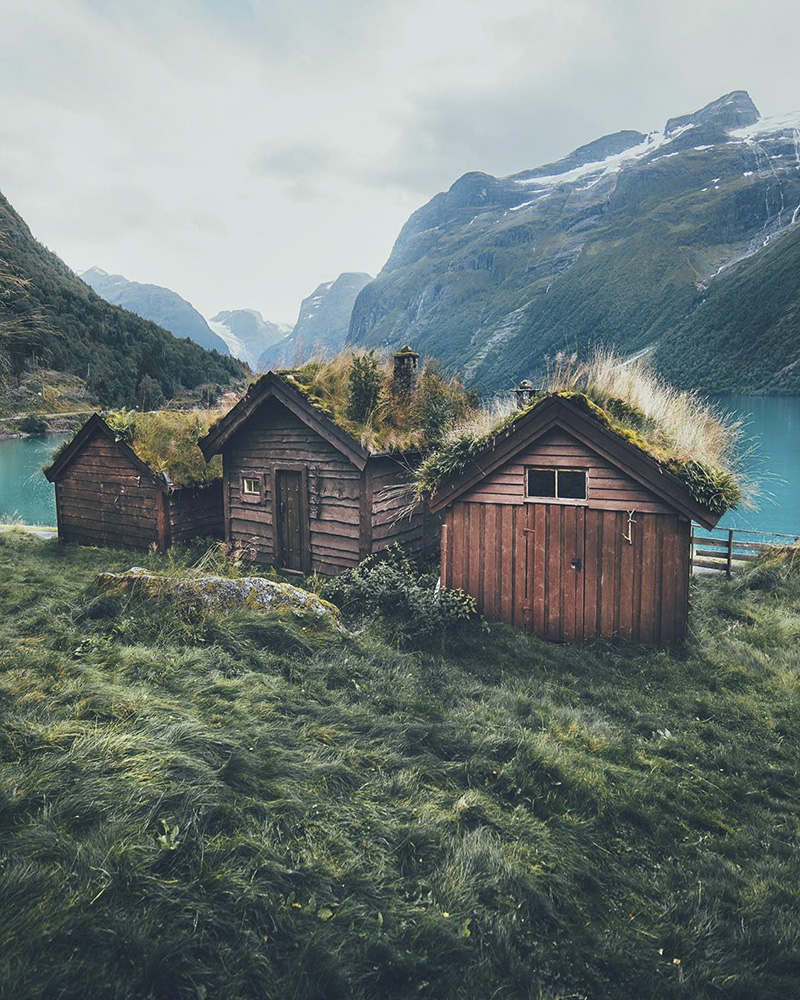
{"points": [[629, 536]]}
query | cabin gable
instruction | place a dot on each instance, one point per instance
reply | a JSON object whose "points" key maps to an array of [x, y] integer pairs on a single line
{"points": [[606, 556], [607, 486], [263, 460], [104, 498]]}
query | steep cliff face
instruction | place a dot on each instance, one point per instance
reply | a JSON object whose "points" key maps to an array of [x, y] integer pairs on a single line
{"points": [[621, 243], [247, 333], [322, 324], [153, 302]]}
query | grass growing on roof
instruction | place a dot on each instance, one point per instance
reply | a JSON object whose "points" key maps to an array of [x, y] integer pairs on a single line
{"points": [[393, 423], [166, 440], [700, 444], [242, 807]]}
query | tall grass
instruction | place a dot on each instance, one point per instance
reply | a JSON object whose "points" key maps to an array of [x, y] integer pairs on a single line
{"points": [[682, 423], [167, 441], [238, 807]]}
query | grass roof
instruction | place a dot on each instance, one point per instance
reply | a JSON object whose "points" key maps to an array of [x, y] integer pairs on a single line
{"points": [[166, 440], [355, 390], [695, 441]]}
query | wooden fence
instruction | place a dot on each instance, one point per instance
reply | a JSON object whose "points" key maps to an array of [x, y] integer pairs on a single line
{"points": [[726, 549]]}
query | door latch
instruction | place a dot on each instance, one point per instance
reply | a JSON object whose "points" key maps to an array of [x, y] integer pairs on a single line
{"points": [[576, 564]]}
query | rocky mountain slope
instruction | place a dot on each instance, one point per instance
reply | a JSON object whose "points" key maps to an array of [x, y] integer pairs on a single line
{"points": [[50, 318], [640, 241], [153, 302], [247, 333], [322, 324]]}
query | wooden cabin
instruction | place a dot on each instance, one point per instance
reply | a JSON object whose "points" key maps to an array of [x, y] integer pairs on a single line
{"points": [[300, 492], [106, 495], [563, 527]]}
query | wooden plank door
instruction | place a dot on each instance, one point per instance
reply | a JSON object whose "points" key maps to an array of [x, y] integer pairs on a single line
{"points": [[554, 567], [290, 515]]}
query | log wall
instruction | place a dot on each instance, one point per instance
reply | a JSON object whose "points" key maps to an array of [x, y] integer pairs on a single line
{"points": [[196, 511], [275, 438], [103, 499], [418, 532]]}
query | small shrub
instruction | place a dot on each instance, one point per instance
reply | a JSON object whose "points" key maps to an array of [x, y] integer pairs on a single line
{"points": [[34, 424], [388, 586], [365, 381]]}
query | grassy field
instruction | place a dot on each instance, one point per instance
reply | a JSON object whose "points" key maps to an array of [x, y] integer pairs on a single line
{"points": [[242, 806]]}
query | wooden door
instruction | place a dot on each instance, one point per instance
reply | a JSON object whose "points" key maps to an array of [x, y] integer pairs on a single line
{"points": [[290, 516], [554, 571]]}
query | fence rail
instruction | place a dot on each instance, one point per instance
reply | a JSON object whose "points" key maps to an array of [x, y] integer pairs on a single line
{"points": [[727, 550]]}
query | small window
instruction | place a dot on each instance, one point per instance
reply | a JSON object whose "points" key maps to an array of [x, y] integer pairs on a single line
{"points": [[251, 487], [556, 484]]}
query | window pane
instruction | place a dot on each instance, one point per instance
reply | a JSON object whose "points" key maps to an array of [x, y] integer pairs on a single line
{"points": [[541, 482], [252, 485], [572, 485]]}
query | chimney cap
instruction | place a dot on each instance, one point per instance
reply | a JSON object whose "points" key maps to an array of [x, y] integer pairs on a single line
{"points": [[405, 351]]}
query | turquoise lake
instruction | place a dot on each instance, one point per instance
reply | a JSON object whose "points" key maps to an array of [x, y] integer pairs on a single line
{"points": [[25, 494], [772, 431]]}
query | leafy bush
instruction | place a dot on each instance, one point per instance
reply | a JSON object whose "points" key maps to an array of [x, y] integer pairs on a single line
{"points": [[33, 424], [388, 586]]}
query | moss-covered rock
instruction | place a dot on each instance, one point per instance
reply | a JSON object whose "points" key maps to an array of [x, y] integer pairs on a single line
{"points": [[252, 593]]}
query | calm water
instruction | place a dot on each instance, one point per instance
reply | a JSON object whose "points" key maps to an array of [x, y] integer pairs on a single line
{"points": [[773, 432], [772, 429], [25, 494]]}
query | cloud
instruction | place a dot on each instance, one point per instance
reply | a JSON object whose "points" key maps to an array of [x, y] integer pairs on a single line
{"points": [[242, 152]]}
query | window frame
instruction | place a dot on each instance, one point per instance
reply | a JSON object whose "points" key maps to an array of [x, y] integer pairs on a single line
{"points": [[247, 496], [565, 501]]}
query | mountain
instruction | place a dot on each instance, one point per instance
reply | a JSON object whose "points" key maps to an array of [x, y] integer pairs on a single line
{"points": [[641, 241], [247, 333], [161, 305], [49, 317], [322, 323]]}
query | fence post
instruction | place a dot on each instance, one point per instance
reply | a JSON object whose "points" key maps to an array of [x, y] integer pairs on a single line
{"points": [[729, 567]]}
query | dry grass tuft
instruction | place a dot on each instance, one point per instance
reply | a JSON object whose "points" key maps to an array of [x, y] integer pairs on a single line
{"points": [[698, 442], [683, 423]]}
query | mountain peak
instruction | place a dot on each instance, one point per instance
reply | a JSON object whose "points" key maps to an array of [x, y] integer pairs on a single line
{"points": [[734, 110]]}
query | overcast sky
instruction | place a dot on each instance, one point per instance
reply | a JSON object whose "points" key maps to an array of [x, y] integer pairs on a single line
{"points": [[242, 151]]}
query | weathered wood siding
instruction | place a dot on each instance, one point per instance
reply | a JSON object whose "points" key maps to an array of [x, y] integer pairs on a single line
{"points": [[418, 533], [103, 499], [615, 566], [275, 438], [196, 511], [609, 487]]}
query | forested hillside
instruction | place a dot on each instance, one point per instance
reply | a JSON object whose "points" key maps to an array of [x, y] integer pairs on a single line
{"points": [[49, 317]]}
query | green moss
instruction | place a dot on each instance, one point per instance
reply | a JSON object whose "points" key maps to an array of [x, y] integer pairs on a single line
{"points": [[166, 440]]}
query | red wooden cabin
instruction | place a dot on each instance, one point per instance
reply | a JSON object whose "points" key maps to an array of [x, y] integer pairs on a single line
{"points": [[106, 495], [565, 528], [301, 492]]}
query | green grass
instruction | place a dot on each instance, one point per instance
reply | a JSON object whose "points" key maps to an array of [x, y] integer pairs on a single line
{"points": [[237, 807]]}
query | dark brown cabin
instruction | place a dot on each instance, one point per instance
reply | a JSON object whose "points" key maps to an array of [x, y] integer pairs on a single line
{"points": [[562, 527], [106, 495], [302, 493]]}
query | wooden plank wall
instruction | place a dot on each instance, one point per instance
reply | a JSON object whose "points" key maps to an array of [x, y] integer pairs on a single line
{"points": [[609, 487], [390, 485], [275, 436], [515, 561], [103, 499], [196, 512]]}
